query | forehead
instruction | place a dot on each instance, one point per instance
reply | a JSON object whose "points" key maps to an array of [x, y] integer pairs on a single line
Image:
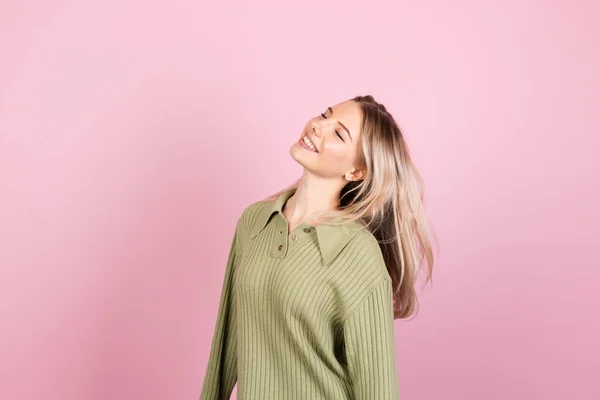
{"points": [[348, 113]]}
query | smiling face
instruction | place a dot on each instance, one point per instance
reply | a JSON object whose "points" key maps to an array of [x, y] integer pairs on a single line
{"points": [[334, 134]]}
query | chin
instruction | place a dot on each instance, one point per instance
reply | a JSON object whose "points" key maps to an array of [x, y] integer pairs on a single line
{"points": [[299, 155], [296, 153]]}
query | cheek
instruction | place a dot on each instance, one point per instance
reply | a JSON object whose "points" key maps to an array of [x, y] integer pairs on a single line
{"points": [[337, 153]]}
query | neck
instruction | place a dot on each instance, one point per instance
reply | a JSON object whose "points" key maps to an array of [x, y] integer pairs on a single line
{"points": [[313, 195]]}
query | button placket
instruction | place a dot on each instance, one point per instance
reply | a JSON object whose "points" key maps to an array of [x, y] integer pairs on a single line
{"points": [[284, 242], [297, 237], [294, 240], [279, 246]]}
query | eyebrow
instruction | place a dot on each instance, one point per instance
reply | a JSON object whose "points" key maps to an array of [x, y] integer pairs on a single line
{"points": [[340, 122]]}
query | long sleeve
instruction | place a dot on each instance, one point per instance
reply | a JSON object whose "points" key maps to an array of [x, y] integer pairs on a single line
{"points": [[221, 372], [370, 346]]}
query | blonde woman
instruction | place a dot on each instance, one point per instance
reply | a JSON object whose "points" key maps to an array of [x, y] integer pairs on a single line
{"points": [[318, 272]]}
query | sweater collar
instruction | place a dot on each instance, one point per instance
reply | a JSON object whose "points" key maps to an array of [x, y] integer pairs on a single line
{"points": [[331, 239]]}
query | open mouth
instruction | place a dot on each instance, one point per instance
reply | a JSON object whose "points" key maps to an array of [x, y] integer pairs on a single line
{"points": [[306, 143]]}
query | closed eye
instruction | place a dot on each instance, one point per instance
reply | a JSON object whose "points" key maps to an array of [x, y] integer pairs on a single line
{"points": [[336, 132]]}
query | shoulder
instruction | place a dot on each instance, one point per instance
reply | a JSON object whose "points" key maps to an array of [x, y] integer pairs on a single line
{"points": [[247, 219], [250, 214], [363, 258], [373, 252], [361, 271]]}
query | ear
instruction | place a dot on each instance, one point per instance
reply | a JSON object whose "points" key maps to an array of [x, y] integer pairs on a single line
{"points": [[355, 175]]}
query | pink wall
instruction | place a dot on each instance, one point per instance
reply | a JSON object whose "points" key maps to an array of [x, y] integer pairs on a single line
{"points": [[129, 130]]}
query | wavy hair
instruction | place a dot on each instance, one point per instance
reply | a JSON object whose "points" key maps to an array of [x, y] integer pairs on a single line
{"points": [[389, 202]]}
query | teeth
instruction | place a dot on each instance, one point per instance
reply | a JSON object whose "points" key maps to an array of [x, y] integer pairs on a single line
{"points": [[309, 143]]}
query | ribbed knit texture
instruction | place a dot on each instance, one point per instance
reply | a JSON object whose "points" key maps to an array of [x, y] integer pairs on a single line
{"points": [[303, 319]]}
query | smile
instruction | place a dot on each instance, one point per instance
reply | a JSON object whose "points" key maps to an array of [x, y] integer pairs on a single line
{"points": [[307, 144]]}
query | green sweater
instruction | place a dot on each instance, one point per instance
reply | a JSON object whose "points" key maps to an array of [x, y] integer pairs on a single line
{"points": [[302, 316]]}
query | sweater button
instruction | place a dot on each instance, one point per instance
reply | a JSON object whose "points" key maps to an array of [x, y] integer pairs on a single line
{"points": [[280, 247], [294, 238], [307, 230]]}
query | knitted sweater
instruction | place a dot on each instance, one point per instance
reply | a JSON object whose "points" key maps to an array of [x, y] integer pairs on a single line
{"points": [[304, 315]]}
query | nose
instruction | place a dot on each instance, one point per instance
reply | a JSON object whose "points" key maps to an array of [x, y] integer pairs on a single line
{"points": [[316, 131]]}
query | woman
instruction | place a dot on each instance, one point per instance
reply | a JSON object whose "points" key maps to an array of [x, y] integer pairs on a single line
{"points": [[318, 272]]}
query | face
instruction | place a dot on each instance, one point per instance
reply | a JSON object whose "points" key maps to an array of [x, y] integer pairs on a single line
{"points": [[334, 134]]}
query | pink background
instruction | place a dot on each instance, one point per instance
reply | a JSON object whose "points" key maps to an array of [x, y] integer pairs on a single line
{"points": [[133, 134]]}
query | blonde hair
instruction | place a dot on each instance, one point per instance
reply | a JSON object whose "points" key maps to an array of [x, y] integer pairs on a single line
{"points": [[389, 202]]}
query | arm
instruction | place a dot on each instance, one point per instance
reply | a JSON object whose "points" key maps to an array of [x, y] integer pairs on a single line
{"points": [[370, 347], [221, 372]]}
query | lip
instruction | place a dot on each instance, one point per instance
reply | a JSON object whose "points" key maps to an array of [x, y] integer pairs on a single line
{"points": [[301, 141]]}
